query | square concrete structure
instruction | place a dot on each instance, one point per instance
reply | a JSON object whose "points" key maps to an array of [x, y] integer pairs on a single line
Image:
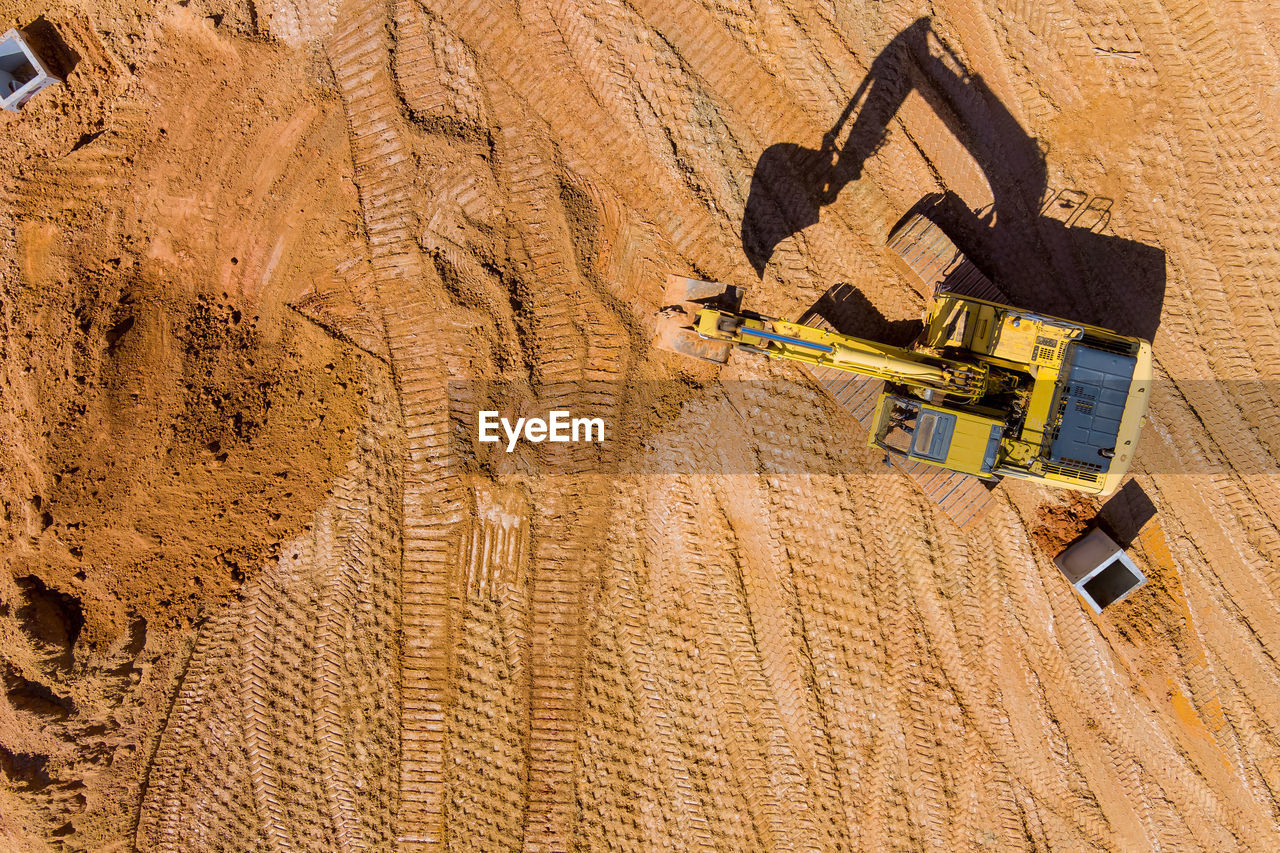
{"points": [[22, 74], [1100, 570]]}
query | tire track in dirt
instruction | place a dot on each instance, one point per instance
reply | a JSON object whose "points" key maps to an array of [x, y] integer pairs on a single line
{"points": [[1049, 36], [433, 504], [679, 681], [1256, 757], [487, 721], [549, 43], [298, 22], [616, 784], [555, 642], [292, 651], [696, 576], [1183, 795], [937, 698], [928, 805], [639, 592], [1013, 712], [162, 826], [848, 660], [80, 181], [577, 117], [779, 646], [917, 155], [368, 726], [261, 632], [484, 723], [435, 72], [775, 529], [571, 336], [336, 602], [794, 522], [591, 121], [735, 676], [737, 655]]}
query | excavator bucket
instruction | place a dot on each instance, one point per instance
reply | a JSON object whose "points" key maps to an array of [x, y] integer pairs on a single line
{"points": [[681, 301]]}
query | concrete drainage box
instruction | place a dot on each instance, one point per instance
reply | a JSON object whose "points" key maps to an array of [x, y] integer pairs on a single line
{"points": [[22, 74], [1099, 570]]}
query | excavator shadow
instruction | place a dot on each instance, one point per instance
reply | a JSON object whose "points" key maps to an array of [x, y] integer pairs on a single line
{"points": [[1047, 249], [848, 312]]}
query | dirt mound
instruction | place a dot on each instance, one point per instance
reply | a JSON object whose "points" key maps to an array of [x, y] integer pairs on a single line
{"points": [[171, 422]]}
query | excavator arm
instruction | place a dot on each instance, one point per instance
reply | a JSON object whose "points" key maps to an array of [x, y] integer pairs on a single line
{"points": [[797, 342]]}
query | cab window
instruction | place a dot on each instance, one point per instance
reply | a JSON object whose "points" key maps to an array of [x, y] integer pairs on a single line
{"points": [[933, 435]]}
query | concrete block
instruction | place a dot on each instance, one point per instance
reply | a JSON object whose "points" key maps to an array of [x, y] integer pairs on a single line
{"points": [[1099, 569], [22, 74]]}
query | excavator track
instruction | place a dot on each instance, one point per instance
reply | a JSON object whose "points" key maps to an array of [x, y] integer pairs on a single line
{"points": [[941, 267]]}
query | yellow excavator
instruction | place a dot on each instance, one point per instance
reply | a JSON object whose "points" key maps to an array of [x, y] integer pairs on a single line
{"points": [[987, 389]]}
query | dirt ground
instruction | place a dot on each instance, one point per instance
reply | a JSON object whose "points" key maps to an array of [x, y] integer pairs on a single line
{"points": [[264, 262]]}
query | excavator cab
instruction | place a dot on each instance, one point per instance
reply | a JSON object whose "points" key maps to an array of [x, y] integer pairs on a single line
{"points": [[950, 438]]}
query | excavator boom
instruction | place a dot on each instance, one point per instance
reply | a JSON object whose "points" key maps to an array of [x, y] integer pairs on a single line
{"points": [[797, 342]]}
